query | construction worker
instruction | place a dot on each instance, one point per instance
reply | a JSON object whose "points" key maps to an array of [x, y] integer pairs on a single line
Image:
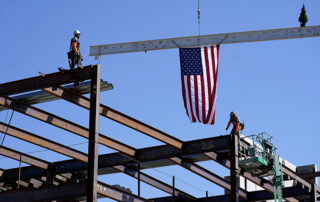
{"points": [[74, 54], [235, 122]]}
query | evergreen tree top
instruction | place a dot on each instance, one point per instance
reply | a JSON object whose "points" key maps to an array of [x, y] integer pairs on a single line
{"points": [[303, 18]]}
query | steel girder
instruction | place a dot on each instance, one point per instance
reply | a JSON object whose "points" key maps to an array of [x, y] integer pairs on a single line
{"points": [[39, 96], [78, 191], [67, 191], [252, 196], [38, 82], [116, 116], [31, 160], [207, 175], [153, 156], [154, 182], [43, 142], [196, 41], [63, 124]]}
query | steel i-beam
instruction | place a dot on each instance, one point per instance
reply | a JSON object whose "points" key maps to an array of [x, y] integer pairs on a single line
{"points": [[13, 154], [67, 191], [43, 142], [48, 80], [234, 168], [39, 96], [154, 182], [150, 156], [116, 116], [63, 124], [93, 134], [196, 41], [207, 175]]}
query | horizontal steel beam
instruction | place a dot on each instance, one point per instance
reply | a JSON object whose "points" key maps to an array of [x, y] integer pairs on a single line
{"points": [[63, 124], [116, 116], [116, 194], [153, 156], [252, 196], [144, 177], [311, 175], [287, 192], [38, 82], [38, 97], [194, 41], [22, 183], [207, 175], [226, 163], [67, 191], [154, 182], [298, 178], [43, 142], [13, 154]]}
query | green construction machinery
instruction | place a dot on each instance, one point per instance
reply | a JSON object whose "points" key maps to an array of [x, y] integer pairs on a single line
{"points": [[257, 155]]}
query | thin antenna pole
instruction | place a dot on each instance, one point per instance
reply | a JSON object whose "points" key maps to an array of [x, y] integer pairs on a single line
{"points": [[19, 178]]}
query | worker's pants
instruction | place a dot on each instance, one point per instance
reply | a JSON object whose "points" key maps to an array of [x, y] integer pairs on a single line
{"points": [[75, 60], [234, 132]]}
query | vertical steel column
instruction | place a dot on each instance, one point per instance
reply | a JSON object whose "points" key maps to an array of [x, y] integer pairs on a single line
{"points": [[313, 194], [49, 175], [93, 133], [173, 188], [139, 179], [234, 169]]}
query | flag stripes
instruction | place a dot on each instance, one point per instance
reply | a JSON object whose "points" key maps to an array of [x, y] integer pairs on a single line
{"points": [[199, 90]]}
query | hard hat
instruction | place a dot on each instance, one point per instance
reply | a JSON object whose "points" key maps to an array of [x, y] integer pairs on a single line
{"points": [[76, 32], [232, 113]]}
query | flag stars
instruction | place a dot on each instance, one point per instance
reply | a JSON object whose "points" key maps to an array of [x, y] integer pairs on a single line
{"points": [[190, 60]]}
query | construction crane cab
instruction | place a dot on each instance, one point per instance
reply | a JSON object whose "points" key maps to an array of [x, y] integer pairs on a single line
{"points": [[257, 155]]}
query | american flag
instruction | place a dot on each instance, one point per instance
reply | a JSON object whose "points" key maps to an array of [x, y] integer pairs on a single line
{"points": [[199, 71]]}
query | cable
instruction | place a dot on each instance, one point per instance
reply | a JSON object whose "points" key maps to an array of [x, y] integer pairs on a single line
{"points": [[5, 121], [7, 129], [44, 150], [199, 15], [190, 185]]}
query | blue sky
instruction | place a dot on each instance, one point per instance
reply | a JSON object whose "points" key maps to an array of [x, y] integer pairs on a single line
{"points": [[273, 86]]}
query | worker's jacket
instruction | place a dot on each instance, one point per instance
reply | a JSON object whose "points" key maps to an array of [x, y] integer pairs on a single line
{"points": [[75, 46], [235, 122]]}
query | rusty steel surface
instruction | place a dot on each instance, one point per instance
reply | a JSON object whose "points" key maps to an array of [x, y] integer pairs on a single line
{"points": [[116, 194], [63, 124], [154, 182], [151, 156], [67, 191], [116, 116], [43, 142], [295, 176], [207, 175], [252, 196], [93, 152], [311, 175], [234, 168], [13, 154], [196, 41], [39, 96], [38, 82]]}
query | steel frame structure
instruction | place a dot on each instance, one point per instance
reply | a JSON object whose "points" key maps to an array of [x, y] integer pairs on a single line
{"points": [[83, 170], [71, 179]]}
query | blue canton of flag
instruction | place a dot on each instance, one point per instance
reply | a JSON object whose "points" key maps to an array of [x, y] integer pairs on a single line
{"points": [[199, 70], [190, 60]]}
